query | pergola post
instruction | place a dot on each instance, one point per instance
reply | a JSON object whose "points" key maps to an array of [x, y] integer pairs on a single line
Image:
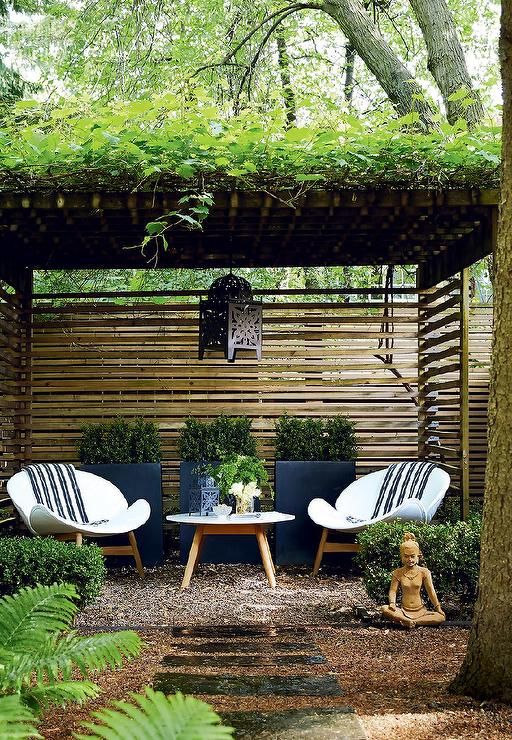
{"points": [[15, 369], [464, 390]]}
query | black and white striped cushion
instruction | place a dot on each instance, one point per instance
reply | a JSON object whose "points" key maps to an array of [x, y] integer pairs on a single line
{"points": [[402, 481], [56, 487]]}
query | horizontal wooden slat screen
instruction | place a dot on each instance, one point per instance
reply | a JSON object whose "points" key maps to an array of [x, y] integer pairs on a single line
{"points": [[95, 361]]}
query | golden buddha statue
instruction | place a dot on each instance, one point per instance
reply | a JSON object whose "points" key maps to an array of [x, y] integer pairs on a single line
{"points": [[410, 579]]}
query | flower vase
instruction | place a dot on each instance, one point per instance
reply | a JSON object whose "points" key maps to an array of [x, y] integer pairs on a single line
{"points": [[244, 505]]}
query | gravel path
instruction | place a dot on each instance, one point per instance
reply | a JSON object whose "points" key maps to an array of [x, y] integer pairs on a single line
{"points": [[224, 594]]}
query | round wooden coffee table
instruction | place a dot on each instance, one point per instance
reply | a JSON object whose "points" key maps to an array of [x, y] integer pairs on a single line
{"points": [[256, 524]]}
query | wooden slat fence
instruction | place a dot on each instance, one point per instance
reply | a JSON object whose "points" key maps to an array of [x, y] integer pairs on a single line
{"points": [[95, 361]]}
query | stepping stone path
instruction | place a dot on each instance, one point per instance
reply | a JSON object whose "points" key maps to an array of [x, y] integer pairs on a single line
{"points": [[245, 647]]}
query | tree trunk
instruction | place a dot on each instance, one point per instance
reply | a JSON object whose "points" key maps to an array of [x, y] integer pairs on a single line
{"points": [[350, 62], [446, 59], [394, 77], [487, 668], [286, 82]]}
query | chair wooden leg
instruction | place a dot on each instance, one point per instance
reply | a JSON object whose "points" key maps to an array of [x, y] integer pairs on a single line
{"points": [[320, 551], [136, 554]]}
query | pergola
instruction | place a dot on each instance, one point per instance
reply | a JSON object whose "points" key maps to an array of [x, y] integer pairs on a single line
{"points": [[442, 232]]}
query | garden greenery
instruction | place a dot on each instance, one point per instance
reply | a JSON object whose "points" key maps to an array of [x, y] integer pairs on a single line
{"points": [[450, 551], [119, 441], [40, 659], [28, 561], [38, 654], [333, 438], [226, 435], [163, 141]]}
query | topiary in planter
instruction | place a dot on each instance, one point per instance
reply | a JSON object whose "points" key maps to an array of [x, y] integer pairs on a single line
{"points": [[215, 440], [120, 442], [333, 438]]}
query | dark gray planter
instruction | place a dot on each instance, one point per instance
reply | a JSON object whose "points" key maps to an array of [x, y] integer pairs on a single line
{"points": [[141, 480], [296, 484], [229, 548]]}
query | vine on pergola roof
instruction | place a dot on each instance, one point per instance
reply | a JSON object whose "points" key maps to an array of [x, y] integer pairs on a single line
{"points": [[161, 144]]}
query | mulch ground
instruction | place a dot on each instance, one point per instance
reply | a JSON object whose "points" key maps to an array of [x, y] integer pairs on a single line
{"points": [[397, 680]]}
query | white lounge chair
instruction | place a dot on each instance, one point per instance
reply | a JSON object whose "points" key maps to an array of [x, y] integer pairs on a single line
{"points": [[412, 492], [106, 513]]}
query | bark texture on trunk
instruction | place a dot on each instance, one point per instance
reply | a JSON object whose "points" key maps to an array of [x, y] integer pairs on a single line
{"points": [[487, 668], [381, 60], [446, 59], [350, 63], [286, 82]]}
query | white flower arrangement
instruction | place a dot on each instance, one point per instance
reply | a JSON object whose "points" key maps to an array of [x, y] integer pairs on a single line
{"points": [[244, 495]]}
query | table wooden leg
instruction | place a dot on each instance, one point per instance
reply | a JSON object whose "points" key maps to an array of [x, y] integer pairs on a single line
{"points": [[269, 553], [200, 549], [266, 556], [193, 556]]}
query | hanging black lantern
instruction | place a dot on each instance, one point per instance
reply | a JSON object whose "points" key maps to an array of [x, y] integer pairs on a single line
{"points": [[230, 319]]}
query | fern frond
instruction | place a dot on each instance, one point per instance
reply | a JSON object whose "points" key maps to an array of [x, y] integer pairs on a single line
{"points": [[16, 720], [31, 614], [62, 693], [157, 717], [58, 656]]}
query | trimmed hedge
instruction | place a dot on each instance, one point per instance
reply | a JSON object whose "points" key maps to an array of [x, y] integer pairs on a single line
{"points": [[120, 442], [26, 561], [333, 438], [216, 440], [450, 551]]}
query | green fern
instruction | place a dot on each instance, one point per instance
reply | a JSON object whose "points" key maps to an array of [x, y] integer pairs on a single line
{"points": [[38, 655], [157, 717], [16, 720]]}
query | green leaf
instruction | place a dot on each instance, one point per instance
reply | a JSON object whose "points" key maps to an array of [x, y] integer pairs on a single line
{"points": [[16, 720], [155, 716], [155, 227], [309, 178], [186, 171], [459, 94]]}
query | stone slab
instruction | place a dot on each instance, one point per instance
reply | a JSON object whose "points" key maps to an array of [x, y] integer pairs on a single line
{"points": [[213, 647], [226, 661], [190, 683], [234, 631], [319, 724]]}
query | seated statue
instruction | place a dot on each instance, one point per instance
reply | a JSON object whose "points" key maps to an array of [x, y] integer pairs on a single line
{"points": [[410, 578]]}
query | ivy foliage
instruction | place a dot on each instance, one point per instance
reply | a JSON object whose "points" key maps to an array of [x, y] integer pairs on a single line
{"points": [[163, 142]]}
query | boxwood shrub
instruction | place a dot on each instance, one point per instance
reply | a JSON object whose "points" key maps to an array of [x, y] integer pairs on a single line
{"points": [[333, 438], [27, 561], [450, 551], [217, 439], [119, 441]]}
